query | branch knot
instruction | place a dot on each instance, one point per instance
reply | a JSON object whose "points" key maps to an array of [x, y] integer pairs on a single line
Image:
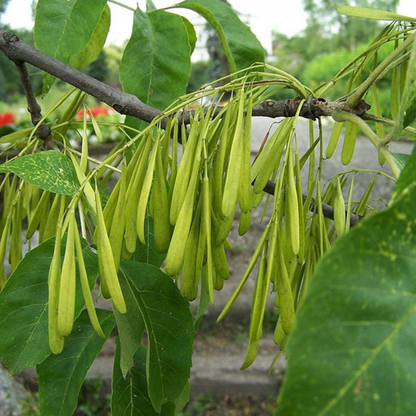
{"points": [[10, 37]]}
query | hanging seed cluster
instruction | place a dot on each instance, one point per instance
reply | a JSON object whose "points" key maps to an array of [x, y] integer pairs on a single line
{"points": [[191, 191]]}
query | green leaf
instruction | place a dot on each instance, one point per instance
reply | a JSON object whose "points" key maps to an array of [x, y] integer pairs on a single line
{"points": [[150, 6], [353, 349], [49, 170], [95, 45], [156, 62], [60, 377], [169, 328], [130, 328], [375, 14], [131, 325], [191, 33], [147, 253], [240, 45], [183, 398], [64, 28], [130, 395], [24, 309]]}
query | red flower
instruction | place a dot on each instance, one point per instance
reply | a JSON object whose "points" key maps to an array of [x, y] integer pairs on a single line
{"points": [[100, 111], [7, 118], [96, 111]]}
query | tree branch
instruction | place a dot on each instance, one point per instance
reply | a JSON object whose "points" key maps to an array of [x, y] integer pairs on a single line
{"points": [[312, 109], [122, 102], [43, 131], [327, 210], [129, 104]]}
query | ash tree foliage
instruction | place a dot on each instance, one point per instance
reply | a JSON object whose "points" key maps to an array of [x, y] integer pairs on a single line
{"points": [[340, 269]]}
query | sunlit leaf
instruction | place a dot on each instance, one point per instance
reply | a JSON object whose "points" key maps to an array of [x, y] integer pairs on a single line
{"points": [[191, 33], [400, 159]]}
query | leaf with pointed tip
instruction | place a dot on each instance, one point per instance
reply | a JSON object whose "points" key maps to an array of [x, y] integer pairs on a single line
{"points": [[239, 44], [130, 396], [130, 328], [50, 170], [169, 329], [60, 377], [357, 323], [24, 309], [150, 6], [183, 398]]}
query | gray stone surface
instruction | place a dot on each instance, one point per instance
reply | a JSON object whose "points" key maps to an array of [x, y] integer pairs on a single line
{"points": [[9, 396], [216, 367]]}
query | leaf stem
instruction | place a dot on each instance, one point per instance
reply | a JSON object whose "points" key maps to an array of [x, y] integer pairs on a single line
{"points": [[122, 5]]}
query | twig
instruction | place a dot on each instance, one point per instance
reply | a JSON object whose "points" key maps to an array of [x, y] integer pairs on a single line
{"points": [[327, 210], [312, 109], [122, 102], [43, 132], [122, 5]]}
